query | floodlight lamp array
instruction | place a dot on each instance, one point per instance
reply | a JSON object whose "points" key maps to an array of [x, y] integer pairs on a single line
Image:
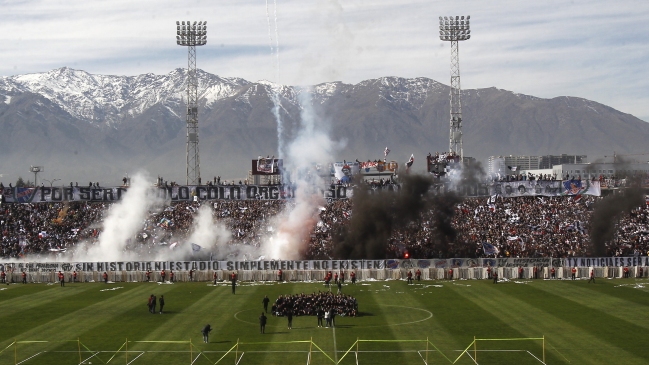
{"points": [[191, 34], [454, 28]]}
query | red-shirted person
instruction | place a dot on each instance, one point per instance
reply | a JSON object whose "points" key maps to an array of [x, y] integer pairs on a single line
{"points": [[592, 276], [553, 273], [3, 277], [418, 275], [353, 276], [171, 276], [574, 272], [640, 272], [148, 275], [488, 272], [520, 272], [342, 276], [105, 277], [214, 277], [409, 275], [279, 275], [163, 275], [61, 279], [74, 276], [536, 272], [24, 277], [626, 272], [336, 278], [450, 274], [233, 278]]}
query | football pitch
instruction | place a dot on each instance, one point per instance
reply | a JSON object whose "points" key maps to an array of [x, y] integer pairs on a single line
{"points": [[435, 322]]}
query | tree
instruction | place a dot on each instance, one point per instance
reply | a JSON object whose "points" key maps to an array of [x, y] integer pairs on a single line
{"points": [[20, 182]]}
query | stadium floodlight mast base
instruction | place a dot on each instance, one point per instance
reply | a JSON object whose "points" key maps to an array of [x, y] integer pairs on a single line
{"points": [[191, 35], [455, 29]]}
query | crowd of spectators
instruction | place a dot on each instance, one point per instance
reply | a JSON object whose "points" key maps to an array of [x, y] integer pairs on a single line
{"points": [[518, 227], [310, 304]]}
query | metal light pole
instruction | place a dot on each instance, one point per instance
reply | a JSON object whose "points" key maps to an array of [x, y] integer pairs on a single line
{"points": [[192, 35], [455, 29], [51, 182], [36, 170]]}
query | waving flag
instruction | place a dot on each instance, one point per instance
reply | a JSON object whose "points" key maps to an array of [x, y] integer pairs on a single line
{"points": [[410, 162], [386, 152], [489, 249]]}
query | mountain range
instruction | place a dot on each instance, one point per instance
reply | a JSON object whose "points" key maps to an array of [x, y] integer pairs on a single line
{"points": [[85, 127]]}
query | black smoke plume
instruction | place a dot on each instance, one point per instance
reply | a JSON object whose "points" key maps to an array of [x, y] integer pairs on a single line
{"points": [[607, 212], [377, 214]]}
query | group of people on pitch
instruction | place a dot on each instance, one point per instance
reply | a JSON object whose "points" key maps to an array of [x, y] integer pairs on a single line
{"points": [[153, 302]]}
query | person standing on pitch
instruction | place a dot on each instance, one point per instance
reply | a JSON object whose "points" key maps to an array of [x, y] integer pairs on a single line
{"points": [[24, 277], [61, 279], [262, 323], [495, 276], [150, 303], [162, 303], [409, 277], [320, 314], [265, 302], [206, 333], [3, 277], [74, 276], [105, 277], [340, 287], [418, 275], [233, 277], [154, 303], [214, 277], [289, 316], [353, 276], [574, 271], [592, 276]]}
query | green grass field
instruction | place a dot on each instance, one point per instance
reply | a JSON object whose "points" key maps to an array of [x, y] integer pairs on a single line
{"points": [[602, 323]]}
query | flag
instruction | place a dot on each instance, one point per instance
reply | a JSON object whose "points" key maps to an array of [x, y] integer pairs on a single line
{"points": [[410, 162], [577, 198], [489, 249], [173, 245], [196, 247], [386, 152], [513, 168]]}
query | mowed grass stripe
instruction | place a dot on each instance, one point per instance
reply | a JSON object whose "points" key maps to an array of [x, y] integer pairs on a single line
{"points": [[33, 296], [538, 312], [630, 306], [88, 313], [40, 311], [438, 329], [614, 335]]}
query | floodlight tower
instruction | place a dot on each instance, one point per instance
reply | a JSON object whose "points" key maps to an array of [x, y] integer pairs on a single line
{"points": [[455, 29], [192, 35]]}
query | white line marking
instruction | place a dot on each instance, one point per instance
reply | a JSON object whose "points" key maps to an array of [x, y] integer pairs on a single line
{"points": [[30, 357], [93, 355], [142, 353]]}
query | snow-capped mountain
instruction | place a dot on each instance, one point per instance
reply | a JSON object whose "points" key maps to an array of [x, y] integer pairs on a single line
{"points": [[82, 126], [112, 99]]}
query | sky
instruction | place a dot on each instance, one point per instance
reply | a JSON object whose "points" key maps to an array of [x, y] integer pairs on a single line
{"points": [[598, 50]]}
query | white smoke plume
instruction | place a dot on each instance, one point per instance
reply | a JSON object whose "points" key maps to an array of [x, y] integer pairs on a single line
{"points": [[206, 233], [124, 219], [311, 146]]}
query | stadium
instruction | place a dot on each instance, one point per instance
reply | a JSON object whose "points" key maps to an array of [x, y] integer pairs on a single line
{"points": [[311, 258]]}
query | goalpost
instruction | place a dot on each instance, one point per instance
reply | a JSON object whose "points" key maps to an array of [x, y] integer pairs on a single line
{"points": [[420, 348]]}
